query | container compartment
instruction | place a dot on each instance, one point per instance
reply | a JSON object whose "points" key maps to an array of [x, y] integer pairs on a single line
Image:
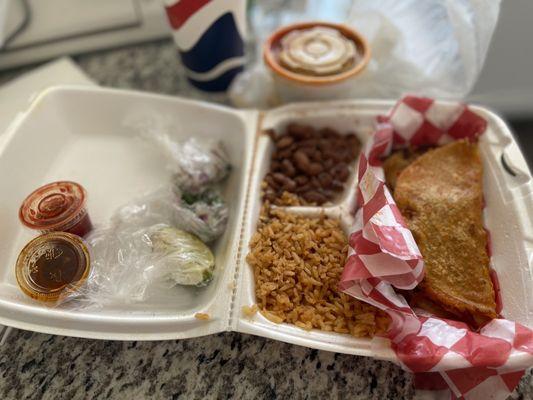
{"points": [[89, 136], [508, 216], [342, 122], [344, 118]]}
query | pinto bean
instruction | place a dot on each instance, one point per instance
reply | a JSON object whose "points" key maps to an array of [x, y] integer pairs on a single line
{"points": [[288, 168], [301, 180], [313, 196], [311, 163], [301, 160], [284, 141], [325, 179], [315, 168], [341, 172], [337, 186], [271, 182]]}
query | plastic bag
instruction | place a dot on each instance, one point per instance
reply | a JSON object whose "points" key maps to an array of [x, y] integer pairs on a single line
{"points": [[195, 164], [142, 254], [197, 167], [130, 264], [204, 215], [434, 47], [182, 258], [156, 241]]}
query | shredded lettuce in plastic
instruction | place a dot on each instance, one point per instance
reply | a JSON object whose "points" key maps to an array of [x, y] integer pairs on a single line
{"points": [[184, 258]]}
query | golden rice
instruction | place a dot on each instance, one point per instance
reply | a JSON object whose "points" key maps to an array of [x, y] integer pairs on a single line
{"points": [[249, 311], [297, 264], [201, 316]]}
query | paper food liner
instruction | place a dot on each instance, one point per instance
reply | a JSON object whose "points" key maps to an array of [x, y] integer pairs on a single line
{"points": [[445, 355]]}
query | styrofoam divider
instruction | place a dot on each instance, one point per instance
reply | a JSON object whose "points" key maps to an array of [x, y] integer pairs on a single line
{"points": [[344, 118]]}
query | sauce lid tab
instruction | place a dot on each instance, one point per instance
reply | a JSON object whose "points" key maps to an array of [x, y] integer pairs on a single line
{"points": [[53, 205], [52, 264]]}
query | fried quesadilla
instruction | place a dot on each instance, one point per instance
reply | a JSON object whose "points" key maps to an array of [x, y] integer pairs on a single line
{"points": [[440, 195], [396, 163]]}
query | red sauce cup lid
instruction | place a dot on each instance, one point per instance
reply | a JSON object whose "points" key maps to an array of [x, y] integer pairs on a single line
{"points": [[53, 206], [52, 265]]}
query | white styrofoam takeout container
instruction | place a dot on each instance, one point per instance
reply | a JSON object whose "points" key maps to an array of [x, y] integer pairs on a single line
{"points": [[86, 135]]}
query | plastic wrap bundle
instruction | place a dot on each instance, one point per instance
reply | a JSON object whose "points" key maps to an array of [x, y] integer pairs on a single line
{"points": [[205, 214], [195, 164], [193, 200], [141, 255], [157, 241], [197, 167], [182, 258]]}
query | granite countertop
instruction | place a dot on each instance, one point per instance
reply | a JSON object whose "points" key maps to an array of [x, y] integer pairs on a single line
{"points": [[227, 365]]}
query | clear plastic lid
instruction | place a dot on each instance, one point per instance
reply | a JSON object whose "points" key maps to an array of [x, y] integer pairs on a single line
{"points": [[51, 265], [317, 51], [55, 206]]}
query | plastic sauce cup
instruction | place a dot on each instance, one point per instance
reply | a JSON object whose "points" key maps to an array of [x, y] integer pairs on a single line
{"points": [[57, 206], [52, 266]]}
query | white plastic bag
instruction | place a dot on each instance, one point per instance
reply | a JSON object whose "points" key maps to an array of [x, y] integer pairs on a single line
{"points": [[431, 47]]}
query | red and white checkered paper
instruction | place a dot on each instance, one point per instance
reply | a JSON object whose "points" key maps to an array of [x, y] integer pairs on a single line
{"points": [[446, 356]]}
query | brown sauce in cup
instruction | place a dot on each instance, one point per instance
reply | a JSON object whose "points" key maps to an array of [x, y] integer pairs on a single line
{"points": [[56, 267], [52, 264]]}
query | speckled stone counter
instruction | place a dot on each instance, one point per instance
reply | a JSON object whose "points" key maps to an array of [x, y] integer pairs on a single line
{"points": [[227, 365]]}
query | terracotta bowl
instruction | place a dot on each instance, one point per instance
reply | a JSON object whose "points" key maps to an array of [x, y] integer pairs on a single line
{"points": [[292, 85]]}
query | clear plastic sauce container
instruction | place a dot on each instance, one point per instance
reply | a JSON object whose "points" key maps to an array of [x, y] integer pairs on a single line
{"points": [[52, 265], [57, 206]]}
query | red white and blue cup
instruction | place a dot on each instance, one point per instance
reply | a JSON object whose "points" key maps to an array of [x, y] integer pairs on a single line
{"points": [[209, 35]]}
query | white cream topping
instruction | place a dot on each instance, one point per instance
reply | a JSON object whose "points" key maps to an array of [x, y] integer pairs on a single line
{"points": [[317, 51]]}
